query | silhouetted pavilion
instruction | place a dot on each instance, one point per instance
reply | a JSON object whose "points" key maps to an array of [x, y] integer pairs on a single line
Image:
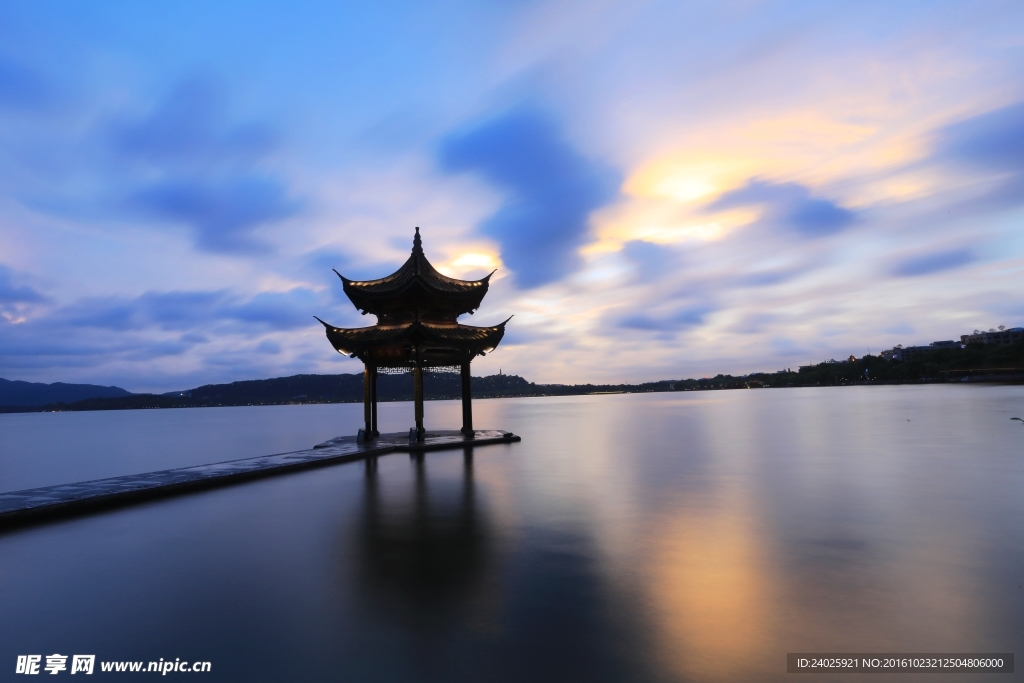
{"points": [[417, 311]]}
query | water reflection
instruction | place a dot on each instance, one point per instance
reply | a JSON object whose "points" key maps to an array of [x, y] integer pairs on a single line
{"points": [[733, 528], [422, 554], [444, 593], [711, 586]]}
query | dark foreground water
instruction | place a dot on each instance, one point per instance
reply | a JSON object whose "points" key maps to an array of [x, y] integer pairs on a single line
{"points": [[658, 537]]}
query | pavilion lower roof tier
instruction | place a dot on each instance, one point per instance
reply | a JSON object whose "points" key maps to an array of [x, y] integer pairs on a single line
{"points": [[401, 345]]}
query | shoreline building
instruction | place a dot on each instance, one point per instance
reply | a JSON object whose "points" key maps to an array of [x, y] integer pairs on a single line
{"points": [[1000, 336], [905, 353], [1003, 336], [417, 329]]}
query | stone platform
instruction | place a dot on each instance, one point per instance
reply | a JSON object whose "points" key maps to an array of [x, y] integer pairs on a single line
{"points": [[69, 499]]}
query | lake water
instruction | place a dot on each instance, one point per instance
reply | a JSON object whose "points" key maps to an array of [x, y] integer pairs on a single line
{"points": [[656, 537]]}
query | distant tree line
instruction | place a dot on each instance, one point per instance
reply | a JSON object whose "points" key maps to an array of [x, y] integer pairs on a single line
{"points": [[977, 362]]}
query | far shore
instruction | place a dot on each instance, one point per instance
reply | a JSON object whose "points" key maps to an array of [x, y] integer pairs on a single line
{"points": [[724, 383]]}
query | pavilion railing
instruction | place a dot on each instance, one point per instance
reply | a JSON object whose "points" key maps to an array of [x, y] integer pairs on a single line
{"points": [[404, 369]]}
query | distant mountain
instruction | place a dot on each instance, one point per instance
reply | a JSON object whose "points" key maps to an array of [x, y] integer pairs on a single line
{"points": [[18, 393], [344, 388]]}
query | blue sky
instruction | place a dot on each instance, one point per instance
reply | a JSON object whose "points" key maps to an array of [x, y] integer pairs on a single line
{"points": [[667, 189]]}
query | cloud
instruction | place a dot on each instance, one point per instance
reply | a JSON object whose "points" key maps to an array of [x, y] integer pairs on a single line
{"points": [[650, 260], [790, 204], [767, 278], [992, 140], [293, 309], [112, 314], [683, 318], [223, 214], [934, 262], [11, 293], [158, 349], [268, 347], [180, 310], [201, 171], [133, 339], [167, 311], [755, 323], [55, 342], [327, 259], [289, 310], [188, 129], [787, 347], [551, 190]]}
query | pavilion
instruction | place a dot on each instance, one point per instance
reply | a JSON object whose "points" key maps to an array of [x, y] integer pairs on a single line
{"points": [[417, 328]]}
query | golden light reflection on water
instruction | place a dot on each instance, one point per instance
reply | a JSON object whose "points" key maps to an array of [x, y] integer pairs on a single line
{"points": [[710, 592]]}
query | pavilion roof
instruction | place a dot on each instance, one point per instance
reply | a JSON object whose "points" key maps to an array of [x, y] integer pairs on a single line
{"points": [[373, 296]]}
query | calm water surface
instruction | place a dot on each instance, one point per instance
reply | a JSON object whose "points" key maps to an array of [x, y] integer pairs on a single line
{"points": [[658, 537]]}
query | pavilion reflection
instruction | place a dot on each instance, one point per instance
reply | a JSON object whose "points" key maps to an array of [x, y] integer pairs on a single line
{"points": [[433, 576], [422, 559]]}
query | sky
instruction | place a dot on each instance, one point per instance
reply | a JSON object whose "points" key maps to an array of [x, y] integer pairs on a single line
{"points": [[667, 189]]}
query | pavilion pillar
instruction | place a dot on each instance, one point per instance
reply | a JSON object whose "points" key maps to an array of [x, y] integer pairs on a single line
{"points": [[417, 390], [367, 393], [467, 400], [373, 402]]}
